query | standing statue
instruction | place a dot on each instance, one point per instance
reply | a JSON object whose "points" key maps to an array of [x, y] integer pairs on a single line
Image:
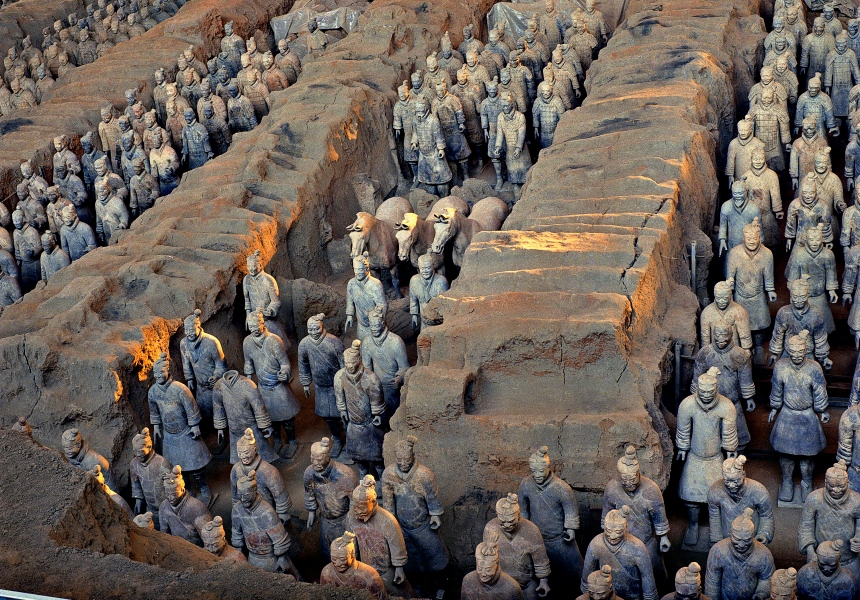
{"points": [[729, 497], [143, 188], [841, 73], [725, 310], [215, 541], [763, 189], [176, 419], [488, 581], [328, 487], [771, 125], [739, 158], [237, 406], [320, 358], [240, 111], [832, 513], [384, 353], [273, 76], [850, 218], [364, 292], [787, 78], [258, 527], [449, 110], [550, 503], [146, 471], [403, 125], [428, 139], [410, 493], [72, 189], [345, 570], [546, 113], [195, 142], [806, 212], [799, 316], [735, 214], [688, 584], [64, 155], [181, 514], [270, 483], [380, 539], [600, 586], [216, 126], [819, 263], [816, 104], [522, 553], [28, 247], [111, 213], [750, 267], [261, 293], [233, 45], [266, 356], [491, 108], [739, 567], [825, 577], [53, 258], [647, 519], [80, 455], [164, 162], [849, 438], [435, 75], [361, 404], [803, 150], [707, 426], [423, 287], [76, 237], [202, 361], [511, 139], [10, 290], [814, 50], [633, 576], [798, 392], [470, 98]]}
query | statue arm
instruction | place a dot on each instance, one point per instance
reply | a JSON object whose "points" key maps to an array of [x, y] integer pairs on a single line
{"points": [[819, 391], [684, 428], [192, 411], [713, 578], [646, 572], [305, 377], [154, 412], [414, 304], [311, 503], [136, 487], [765, 517], [745, 379], [187, 367], [845, 449], [590, 564], [218, 359], [219, 416], [777, 339], [247, 296], [762, 589], [806, 531], [431, 494], [388, 500], [377, 399], [237, 537], [261, 413], [715, 516], [730, 160]]}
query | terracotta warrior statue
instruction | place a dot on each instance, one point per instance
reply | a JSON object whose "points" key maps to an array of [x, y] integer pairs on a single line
{"points": [[328, 487], [146, 471], [364, 292], [763, 189], [203, 361], [181, 514], [384, 353], [849, 437], [735, 214], [237, 406], [423, 287], [733, 494], [510, 140], [80, 455], [488, 581], [428, 140], [76, 237], [647, 520], [403, 123], [818, 262], [724, 310], [825, 577], [799, 316], [345, 570], [739, 158], [96, 474], [550, 503], [739, 567], [270, 483], [688, 584], [600, 586], [215, 541], [261, 293]]}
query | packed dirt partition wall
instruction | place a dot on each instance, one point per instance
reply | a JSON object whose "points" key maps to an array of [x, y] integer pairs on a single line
{"points": [[558, 328], [79, 352]]}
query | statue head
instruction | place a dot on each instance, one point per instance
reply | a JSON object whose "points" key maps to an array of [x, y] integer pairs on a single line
{"points": [[777, 23], [96, 473], [268, 60], [107, 114], [246, 447], [799, 291], [246, 488], [836, 480], [48, 242], [615, 525], [809, 190], [18, 220], [343, 552], [364, 499], [600, 584], [767, 75], [758, 159], [223, 75], [504, 77], [213, 536], [41, 72], [188, 77], [141, 444], [467, 31], [69, 215], [72, 442], [842, 42], [404, 453], [253, 263], [144, 521], [827, 12], [181, 63], [463, 76], [493, 37], [321, 454], [508, 103], [723, 335], [814, 86], [723, 293], [283, 46], [628, 470], [589, 6], [791, 14], [797, 347], [190, 118], [539, 465], [818, 26], [352, 358], [752, 235], [471, 57], [138, 165], [829, 557], [124, 124], [815, 238], [316, 329], [745, 128], [441, 89], [734, 475], [783, 584], [256, 323], [87, 142], [688, 582], [131, 96], [27, 169], [157, 139], [127, 141], [853, 27], [780, 44], [233, 90], [361, 263], [377, 320], [61, 142], [822, 161], [432, 62], [767, 96], [245, 60], [742, 532], [508, 513], [706, 386], [487, 558], [161, 369], [228, 28], [416, 80], [425, 266]]}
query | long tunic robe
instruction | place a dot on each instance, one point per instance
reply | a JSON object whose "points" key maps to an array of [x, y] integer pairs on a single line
{"points": [[739, 158], [241, 114], [522, 555], [802, 158], [328, 493], [800, 217], [319, 362], [772, 126], [195, 145], [362, 297], [733, 221], [260, 529], [428, 136], [413, 497], [172, 406], [270, 485], [851, 284], [849, 437], [813, 585], [28, 247], [261, 293], [735, 381], [421, 292], [511, 136], [730, 577], [647, 520], [449, 111], [821, 268], [850, 235], [77, 239], [111, 217], [813, 53], [237, 405], [266, 357], [404, 118], [830, 194], [360, 397], [185, 520], [763, 191], [381, 545], [553, 508], [818, 107], [632, 575], [490, 110], [147, 482], [723, 509], [789, 321], [470, 99], [10, 290], [386, 356], [841, 72], [734, 315], [704, 432], [545, 117], [798, 393], [202, 360], [824, 519], [753, 275]]}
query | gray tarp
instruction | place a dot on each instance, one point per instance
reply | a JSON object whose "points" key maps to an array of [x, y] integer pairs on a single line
{"points": [[344, 18]]}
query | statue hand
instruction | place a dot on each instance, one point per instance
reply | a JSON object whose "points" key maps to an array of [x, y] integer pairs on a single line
{"points": [[267, 432], [834, 297], [750, 405], [825, 417], [398, 380], [794, 183], [414, 145], [348, 321], [399, 575], [665, 544], [414, 321], [811, 556], [723, 247], [344, 417], [195, 432], [731, 454], [220, 436], [762, 538], [731, 180], [377, 421], [855, 544], [834, 131], [283, 375], [138, 506], [772, 415], [578, 93], [398, 133], [788, 245], [312, 517], [849, 183], [517, 152], [542, 589], [682, 455], [487, 136], [779, 216], [212, 380], [829, 246], [772, 360], [462, 128], [156, 430], [307, 390], [435, 522], [440, 154], [827, 364], [846, 299], [771, 296], [191, 385], [569, 535]]}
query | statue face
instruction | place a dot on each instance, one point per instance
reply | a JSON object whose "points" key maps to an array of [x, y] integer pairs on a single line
{"points": [[589, 5], [836, 487], [426, 272], [26, 170], [799, 299], [377, 326], [363, 509], [504, 77], [707, 395], [734, 483], [69, 217], [247, 453], [630, 481], [342, 559], [156, 140], [818, 27], [189, 118], [87, 146], [509, 521], [852, 28], [780, 44], [139, 167], [758, 160], [471, 58], [352, 363], [215, 546], [71, 448], [742, 541], [282, 46], [722, 299], [739, 197], [137, 110], [360, 268], [828, 565], [440, 91], [247, 496], [809, 195], [797, 353], [507, 106], [744, 130], [320, 461], [193, 332], [144, 451], [600, 592], [687, 592], [841, 45], [814, 87], [546, 92], [813, 240], [614, 533], [827, 12], [487, 567], [161, 374], [405, 459], [777, 24], [767, 76], [59, 144], [228, 29], [130, 98], [315, 329], [256, 327], [18, 220], [127, 143], [253, 265], [539, 470], [752, 240], [48, 244], [403, 94], [822, 164]]}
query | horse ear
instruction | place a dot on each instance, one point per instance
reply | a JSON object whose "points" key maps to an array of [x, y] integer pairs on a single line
{"points": [[350, 227], [400, 227]]}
